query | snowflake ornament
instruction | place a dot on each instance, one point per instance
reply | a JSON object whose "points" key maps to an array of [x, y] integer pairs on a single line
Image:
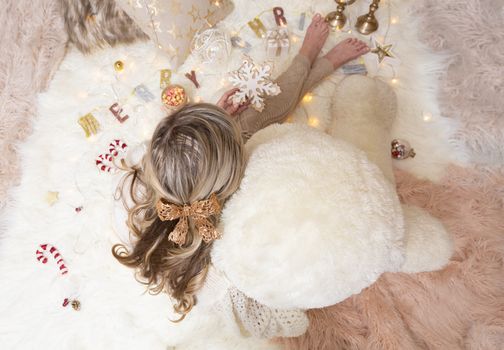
{"points": [[254, 82]]}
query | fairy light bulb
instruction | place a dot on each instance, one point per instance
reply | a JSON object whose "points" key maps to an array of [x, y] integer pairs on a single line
{"points": [[394, 81], [307, 98], [91, 138], [427, 117], [394, 20], [313, 121]]}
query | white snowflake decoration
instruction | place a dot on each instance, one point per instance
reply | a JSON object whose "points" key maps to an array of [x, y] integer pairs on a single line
{"points": [[254, 82]]}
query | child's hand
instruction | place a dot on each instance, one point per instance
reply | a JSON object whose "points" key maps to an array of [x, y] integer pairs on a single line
{"points": [[226, 103]]}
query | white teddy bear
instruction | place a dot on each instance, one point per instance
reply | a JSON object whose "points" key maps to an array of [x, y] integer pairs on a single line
{"points": [[315, 220]]}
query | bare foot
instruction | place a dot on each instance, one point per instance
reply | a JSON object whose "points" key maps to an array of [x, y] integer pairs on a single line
{"points": [[345, 51], [315, 37]]}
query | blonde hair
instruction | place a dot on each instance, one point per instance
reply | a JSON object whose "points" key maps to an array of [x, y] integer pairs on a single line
{"points": [[193, 153]]}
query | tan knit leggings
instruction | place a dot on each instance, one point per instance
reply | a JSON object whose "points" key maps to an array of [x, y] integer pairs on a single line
{"points": [[295, 82], [364, 122]]}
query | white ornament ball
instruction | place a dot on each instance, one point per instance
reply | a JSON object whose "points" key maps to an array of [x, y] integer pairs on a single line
{"points": [[211, 46]]}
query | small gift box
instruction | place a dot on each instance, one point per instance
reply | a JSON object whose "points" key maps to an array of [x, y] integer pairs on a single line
{"points": [[277, 42]]}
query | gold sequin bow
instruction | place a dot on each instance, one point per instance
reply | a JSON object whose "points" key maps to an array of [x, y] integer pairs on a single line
{"points": [[199, 211]]}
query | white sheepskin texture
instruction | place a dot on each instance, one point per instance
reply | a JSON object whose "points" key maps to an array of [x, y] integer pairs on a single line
{"points": [[313, 222], [116, 312], [429, 247]]}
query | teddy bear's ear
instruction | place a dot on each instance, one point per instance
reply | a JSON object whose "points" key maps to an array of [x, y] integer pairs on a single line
{"points": [[312, 223]]}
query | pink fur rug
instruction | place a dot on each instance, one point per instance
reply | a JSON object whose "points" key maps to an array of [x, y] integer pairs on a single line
{"points": [[472, 35], [460, 307], [33, 43]]}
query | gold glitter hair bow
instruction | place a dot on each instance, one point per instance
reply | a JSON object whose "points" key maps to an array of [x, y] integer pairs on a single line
{"points": [[199, 211]]}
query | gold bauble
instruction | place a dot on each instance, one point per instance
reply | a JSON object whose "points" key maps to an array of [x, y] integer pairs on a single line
{"points": [[76, 305], [119, 66]]}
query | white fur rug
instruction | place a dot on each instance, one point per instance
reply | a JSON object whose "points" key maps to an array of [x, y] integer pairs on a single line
{"points": [[57, 157]]}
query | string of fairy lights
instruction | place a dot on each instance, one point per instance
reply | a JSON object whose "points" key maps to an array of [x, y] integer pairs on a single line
{"points": [[85, 242], [294, 37]]}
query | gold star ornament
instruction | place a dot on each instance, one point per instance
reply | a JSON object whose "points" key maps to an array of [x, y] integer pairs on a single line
{"points": [[51, 197], [382, 51]]}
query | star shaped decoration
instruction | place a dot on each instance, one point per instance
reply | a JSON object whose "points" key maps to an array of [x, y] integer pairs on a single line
{"points": [[153, 8], [175, 8], [156, 26], [178, 35], [136, 4], [172, 31], [52, 197], [210, 12], [191, 32], [172, 52], [382, 51], [194, 13]]}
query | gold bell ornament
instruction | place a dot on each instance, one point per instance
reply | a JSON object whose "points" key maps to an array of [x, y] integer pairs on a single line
{"points": [[367, 24], [337, 19], [76, 305]]}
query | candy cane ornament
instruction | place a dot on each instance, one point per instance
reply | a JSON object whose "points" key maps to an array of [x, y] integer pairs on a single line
{"points": [[41, 256], [104, 162], [117, 144]]}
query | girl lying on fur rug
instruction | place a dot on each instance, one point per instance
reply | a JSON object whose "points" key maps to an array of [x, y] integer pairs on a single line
{"points": [[196, 161]]}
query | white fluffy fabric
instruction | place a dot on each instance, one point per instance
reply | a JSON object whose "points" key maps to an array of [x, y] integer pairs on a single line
{"points": [[57, 157], [313, 222], [116, 312], [428, 247]]}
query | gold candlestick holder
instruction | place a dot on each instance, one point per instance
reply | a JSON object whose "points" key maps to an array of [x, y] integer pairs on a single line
{"points": [[337, 19], [367, 24]]}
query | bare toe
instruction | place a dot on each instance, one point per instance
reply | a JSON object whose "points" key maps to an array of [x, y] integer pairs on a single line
{"points": [[315, 37], [316, 19], [346, 50]]}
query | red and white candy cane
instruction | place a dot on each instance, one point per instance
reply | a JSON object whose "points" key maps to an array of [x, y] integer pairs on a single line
{"points": [[104, 162], [116, 146], [41, 256]]}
